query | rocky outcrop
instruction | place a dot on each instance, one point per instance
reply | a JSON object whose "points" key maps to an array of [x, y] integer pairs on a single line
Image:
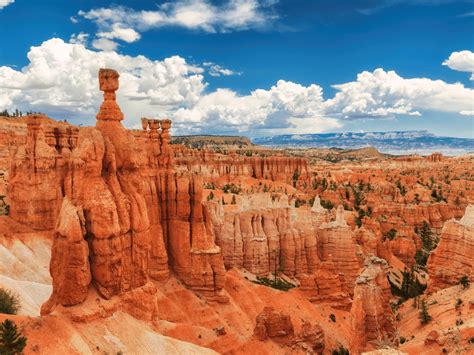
{"points": [[121, 213], [278, 326], [414, 215], [372, 317], [69, 266], [453, 258], [337, 246], [272, 324], [35, 173], [310, 339], [263, 233], [12, 135]]}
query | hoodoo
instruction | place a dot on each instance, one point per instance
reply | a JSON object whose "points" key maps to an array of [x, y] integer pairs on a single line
{"points": [[453, 258], [120, 210]]}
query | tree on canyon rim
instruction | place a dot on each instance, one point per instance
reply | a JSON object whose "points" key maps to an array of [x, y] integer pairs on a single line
{"points": [[9, 302], [12, 342], [424, 315]]}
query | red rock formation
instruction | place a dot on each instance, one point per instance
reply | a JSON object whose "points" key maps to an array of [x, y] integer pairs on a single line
{"points": [[210, 165], [372, 317], [310, 339], [453, 258], [271, 324], [34, 184], [123, 208], [435, 157], [337, 246], [278, 326], [69, 265], [263, 233], [12, 135]]}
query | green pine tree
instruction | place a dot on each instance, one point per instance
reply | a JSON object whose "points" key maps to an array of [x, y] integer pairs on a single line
{"points": [[11, 341], [424, 315]]}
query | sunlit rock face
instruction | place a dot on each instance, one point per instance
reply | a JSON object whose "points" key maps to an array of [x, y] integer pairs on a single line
{"points": [[453, 258], [372, 316], [120, 211]]}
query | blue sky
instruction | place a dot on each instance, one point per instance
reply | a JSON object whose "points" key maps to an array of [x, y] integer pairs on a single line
{"points": [[247, 66]]}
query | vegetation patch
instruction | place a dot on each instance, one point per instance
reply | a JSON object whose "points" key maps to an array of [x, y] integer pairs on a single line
{"points": [[277, 283], [12, 342], [429, 242], [4, 207], [9, 302]]}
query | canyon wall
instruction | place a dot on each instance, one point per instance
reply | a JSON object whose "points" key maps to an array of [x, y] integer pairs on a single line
{"points": [[211, 166], [453, 258], [265, 235]]}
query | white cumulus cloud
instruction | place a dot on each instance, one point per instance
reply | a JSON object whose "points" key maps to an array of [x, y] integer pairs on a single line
{"points": [[216, 70], [384, 93], [104, 44], [79, 38], [461, 61], [286, 107], [4, 3], [128, 35], [122, 23], [61, 80]]}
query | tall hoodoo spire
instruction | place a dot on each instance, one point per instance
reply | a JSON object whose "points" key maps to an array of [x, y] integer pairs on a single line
{"points": [[109, 83]]}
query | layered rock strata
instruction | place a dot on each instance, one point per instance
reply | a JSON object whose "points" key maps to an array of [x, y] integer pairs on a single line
{"points": [[453, 258], [278, 326], [372, 317], [291, 170], [266, 235]]}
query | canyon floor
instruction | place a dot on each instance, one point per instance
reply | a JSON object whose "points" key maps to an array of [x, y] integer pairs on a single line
{"points": [[119, 242]]}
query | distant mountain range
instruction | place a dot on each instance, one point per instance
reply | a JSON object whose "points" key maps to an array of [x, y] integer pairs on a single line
{"points": [[396, 142]]}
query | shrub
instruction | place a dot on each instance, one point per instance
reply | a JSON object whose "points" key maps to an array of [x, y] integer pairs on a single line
{"points": [[403, 340], [276, 283], [11, 341], [327, 204], [424, 315], [296, 176], [458, 303], [210, 186], [428, 241], [361, 215], [410, 286], [4, 207], [9, 302], [348, 195], [231, 188], [464, 282], [341, 351], [391, 234], [332, 317], [299, 202], [402, 188], [421, 257], [417, 199]]}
